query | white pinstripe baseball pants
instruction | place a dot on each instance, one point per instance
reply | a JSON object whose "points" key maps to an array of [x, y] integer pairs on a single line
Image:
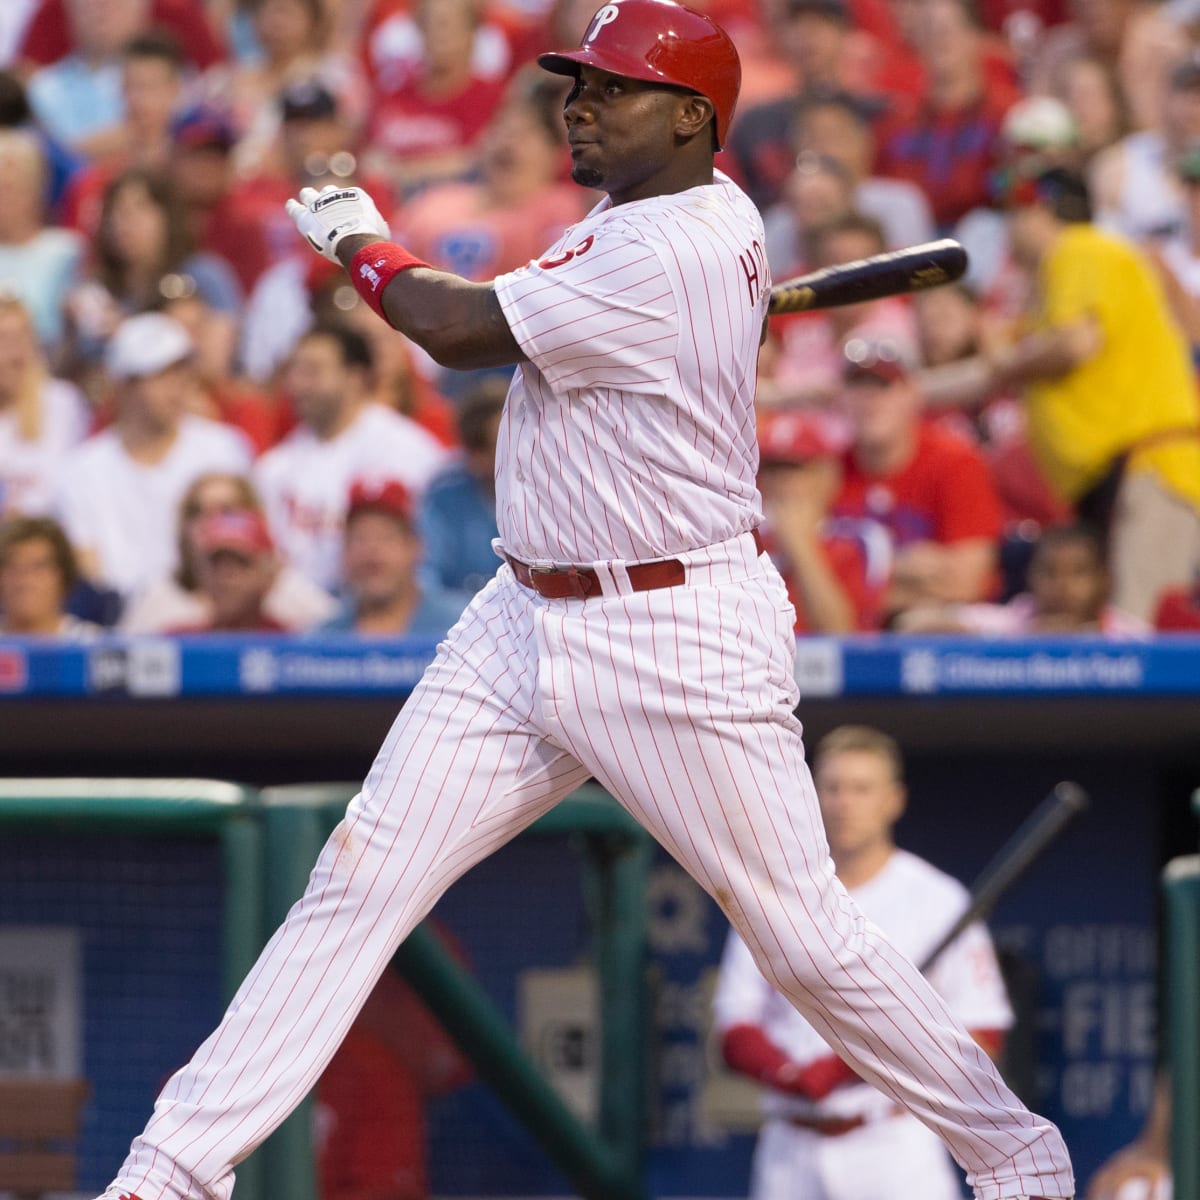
{"points": [[680, 702]]}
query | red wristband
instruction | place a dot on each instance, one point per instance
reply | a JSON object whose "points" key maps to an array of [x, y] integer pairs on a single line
{"points": [[374, 266]]}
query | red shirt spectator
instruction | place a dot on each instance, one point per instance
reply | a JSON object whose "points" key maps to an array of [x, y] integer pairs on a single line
{"points": [[929, 488], [836, 570], [47, 38], [949, 144], [943, 493]]}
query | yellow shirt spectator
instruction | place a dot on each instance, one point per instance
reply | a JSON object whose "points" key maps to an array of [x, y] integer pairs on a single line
{"points": [[1141, 383]]}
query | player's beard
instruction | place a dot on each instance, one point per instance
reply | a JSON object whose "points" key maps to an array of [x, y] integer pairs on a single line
{"points": [[587, 177]]}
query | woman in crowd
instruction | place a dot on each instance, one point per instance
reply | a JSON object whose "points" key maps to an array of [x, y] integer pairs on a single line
{"points": [[38, 571], [40, 418], [142, 252]]}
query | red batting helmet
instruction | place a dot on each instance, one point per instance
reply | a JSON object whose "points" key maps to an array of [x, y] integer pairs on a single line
{"points": [[661, 42]]}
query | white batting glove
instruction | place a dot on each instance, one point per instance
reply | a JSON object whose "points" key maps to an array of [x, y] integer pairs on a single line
{"points": [[327, 216]]}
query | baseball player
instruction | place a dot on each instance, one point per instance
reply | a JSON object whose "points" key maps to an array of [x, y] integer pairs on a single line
{"points": [[633, 633], [826, 1135]]}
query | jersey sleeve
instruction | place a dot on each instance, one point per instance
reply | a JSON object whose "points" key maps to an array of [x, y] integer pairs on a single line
{"points": [[600, 312]]}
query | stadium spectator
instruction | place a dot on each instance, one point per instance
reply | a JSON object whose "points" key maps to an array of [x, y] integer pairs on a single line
{"points": [[954, 326], [404, 376], [342, 437], [825, 1132], [838, 125], [457, 516], [947, 145], [1178, 254], [176, 600], [37, 261], [1068, 592], [836, 571], [143, 251], [428, 129], [41, 418], [1138, 42], [235, 570], [812, 36], [315, 144], [291, 37], [120, 490], [802, 360], [51, 33], [381, 557], [152, 88], [392, 45], [1109, 386], [1090, 89], [220, 393], [1134, 188], [817, 190], [77, 97], [927, 486], [38, 571], [517, 205], [1038, 132]]}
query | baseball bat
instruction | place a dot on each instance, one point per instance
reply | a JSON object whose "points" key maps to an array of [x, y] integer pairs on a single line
{"points": [[1063, 804], [895, 273]]}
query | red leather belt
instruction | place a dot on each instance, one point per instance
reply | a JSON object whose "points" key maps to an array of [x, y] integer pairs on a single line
{"points": [[560, 583]]}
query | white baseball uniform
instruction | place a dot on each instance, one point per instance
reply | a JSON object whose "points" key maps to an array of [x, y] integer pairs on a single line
{"points": [[304, 482], [127, 513], [628, 436], [811, 1148]]}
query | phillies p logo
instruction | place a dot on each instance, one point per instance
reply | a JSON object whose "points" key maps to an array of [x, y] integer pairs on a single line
{"points": [[606, 16]]}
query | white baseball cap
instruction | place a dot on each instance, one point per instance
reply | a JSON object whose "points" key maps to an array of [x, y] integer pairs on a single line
{"points": [[145, 345], [1040, 123]]}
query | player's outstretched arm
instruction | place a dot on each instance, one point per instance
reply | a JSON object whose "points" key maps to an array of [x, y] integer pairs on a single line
{"points": [[460, 324]]}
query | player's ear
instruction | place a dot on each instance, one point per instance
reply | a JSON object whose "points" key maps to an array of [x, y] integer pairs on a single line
{"points": [[695, 113], [900, 800]]}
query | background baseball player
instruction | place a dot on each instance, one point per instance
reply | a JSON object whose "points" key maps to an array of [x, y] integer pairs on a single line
{"points": [[827, 1135], [634, 634]]}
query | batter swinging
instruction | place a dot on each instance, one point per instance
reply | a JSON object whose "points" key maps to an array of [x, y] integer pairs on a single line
{"points": [[634, 633]]}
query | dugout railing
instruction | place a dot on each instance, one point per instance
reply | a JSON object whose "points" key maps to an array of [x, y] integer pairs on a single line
{"points": [[74, 839]]}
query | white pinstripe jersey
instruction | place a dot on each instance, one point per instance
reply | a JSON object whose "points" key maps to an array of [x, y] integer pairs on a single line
{"points": [[629, 434]]}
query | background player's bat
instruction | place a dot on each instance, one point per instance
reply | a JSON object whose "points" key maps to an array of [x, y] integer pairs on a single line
{"points": [[892, 274], [1064, 803]]}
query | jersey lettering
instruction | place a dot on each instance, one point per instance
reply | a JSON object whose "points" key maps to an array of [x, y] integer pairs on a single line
{"points": [[565, 257], [754, 267]]}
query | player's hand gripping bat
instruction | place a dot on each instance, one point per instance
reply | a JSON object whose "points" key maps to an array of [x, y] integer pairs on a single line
{"points": [[1064, 803], [895, 273]]}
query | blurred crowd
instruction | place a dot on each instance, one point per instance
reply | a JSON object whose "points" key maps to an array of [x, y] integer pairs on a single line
{"points": [[203, 428]]}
